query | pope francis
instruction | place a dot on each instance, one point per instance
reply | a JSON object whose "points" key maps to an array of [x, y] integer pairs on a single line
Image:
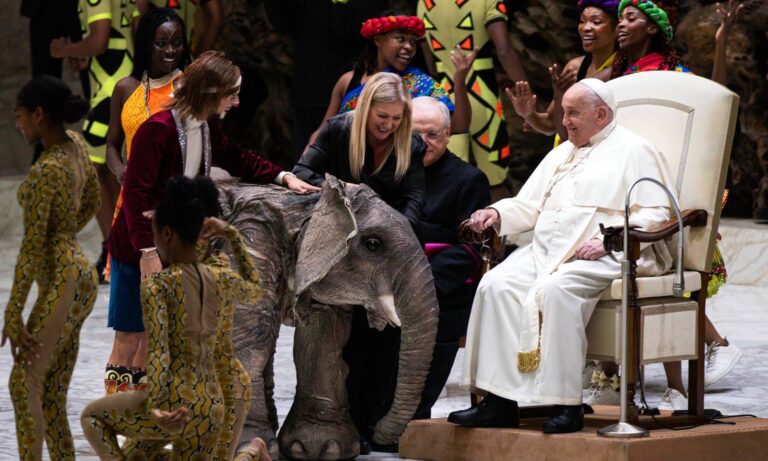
{"points": [[526, 340]]}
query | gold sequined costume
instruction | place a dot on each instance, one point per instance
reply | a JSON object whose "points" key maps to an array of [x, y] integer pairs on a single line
{"points": [[181, 307], [59, 196]]}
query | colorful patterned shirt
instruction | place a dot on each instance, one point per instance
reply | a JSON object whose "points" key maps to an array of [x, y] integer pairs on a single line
{"points": [[417, 82]]}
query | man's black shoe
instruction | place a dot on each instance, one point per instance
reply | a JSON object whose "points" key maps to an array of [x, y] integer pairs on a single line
{"points": [[570, 419], [493, 411]]}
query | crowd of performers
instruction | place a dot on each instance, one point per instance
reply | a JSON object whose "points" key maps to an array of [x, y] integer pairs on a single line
{"points": [[434, 148]]}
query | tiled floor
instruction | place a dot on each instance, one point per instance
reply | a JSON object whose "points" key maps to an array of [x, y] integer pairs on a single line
{"points": [[740, 311]]}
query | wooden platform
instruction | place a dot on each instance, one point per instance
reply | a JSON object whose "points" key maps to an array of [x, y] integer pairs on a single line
{"points": [[438, 440]]}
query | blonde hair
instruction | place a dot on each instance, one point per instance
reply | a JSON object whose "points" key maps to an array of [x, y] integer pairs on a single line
{"points": [[383, 87], [209, 79]]}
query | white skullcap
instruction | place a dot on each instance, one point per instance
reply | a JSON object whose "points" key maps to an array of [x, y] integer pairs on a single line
{"points": [[601, 89]]}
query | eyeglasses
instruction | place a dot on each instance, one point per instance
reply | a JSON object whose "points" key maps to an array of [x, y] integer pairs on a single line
{"points": [[430, 135]]}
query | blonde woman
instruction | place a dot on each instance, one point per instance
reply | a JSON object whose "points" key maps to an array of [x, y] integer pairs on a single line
{"points": [[372, 145]]}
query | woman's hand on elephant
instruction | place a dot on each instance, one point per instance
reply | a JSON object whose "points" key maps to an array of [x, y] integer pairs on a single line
{"points": [[213, 227], [171, 420], [483, 219], [297, 185]]}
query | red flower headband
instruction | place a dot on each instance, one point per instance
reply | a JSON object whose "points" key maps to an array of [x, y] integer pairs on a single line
{"points": [[377, 26]]}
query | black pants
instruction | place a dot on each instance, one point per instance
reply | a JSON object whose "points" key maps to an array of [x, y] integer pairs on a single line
{"points": [[451, 326], [372, 357]]}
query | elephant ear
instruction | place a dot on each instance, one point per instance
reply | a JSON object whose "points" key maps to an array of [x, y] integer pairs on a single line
{"points": [[325, 240]]}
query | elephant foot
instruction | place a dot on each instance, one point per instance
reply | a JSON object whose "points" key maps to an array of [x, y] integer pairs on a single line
{"points": [[304, 440]]}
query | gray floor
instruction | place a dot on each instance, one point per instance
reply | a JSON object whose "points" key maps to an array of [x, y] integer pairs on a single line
{"points": [[739, 311]]}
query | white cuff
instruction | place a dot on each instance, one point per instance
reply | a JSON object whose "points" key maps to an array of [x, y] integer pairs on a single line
{"points": [[280, 176]]}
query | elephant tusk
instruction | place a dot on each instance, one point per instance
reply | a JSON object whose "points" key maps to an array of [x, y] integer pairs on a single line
{"points": [[388, 305]]}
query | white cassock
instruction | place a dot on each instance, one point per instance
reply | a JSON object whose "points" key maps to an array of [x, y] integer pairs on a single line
{"points": [[542, 295]]}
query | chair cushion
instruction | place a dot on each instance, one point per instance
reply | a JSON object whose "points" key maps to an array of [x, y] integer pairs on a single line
{"points": [[653, 287]]}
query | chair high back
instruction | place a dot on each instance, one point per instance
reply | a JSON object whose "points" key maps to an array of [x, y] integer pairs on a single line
{"points": [[692, 121]]}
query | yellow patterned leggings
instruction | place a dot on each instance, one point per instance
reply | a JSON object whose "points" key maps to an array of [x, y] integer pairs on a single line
{"points": [[236, 390], [126, 413], [39, 389]]}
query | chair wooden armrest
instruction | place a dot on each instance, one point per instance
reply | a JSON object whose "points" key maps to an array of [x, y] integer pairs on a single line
{"points": [[614, 236]]}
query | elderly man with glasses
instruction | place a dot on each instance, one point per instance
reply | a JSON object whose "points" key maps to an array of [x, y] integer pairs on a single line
{"points": [[454, 189]]}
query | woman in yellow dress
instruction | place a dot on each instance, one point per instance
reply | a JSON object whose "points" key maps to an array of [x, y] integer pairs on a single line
{"points": [[161, 51], [59, 196]]}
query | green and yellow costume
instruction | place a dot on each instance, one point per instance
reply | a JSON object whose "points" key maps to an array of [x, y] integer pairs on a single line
{"points": [[463, 22], [182, 306], [59, 196], [106, 69]]}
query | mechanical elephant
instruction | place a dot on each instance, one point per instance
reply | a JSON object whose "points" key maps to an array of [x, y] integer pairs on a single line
{"points": [[319, 256]]}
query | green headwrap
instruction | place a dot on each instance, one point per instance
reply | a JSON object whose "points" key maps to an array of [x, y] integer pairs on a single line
{"points": [[653, 11]]}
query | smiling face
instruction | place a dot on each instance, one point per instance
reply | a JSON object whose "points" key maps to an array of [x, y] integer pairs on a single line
{"points": [[28, 123], [582, 118], [396, 49], [383, 120], [167, 49], [430, 125], [635, 29], [597, 30]]}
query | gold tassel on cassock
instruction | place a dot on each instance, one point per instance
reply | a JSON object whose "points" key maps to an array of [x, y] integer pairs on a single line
{"points": [[528, 361]]}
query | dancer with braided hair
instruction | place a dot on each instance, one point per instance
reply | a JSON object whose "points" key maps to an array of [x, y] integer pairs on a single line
{"points": [[161, 51]]}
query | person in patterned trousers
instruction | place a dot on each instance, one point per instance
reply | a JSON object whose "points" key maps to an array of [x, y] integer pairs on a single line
{"points": [[59, 196], [183, 403]]}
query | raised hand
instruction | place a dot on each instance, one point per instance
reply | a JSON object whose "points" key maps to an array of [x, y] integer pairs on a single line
{"points": [[728, 17], [523, 99], [561, 80], [213, 227], [462, 62]]}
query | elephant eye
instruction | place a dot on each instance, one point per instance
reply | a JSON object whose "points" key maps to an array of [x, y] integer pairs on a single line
{"points": [[372, 244]]}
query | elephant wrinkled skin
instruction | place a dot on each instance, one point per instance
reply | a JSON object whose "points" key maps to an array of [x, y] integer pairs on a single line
{"points": [[318, 256]]}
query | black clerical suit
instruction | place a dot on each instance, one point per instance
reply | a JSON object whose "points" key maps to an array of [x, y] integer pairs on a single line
{"points": [[454, 190]]}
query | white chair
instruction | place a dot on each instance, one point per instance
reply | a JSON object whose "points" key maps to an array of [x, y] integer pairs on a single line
{"points": [[692, 121]]}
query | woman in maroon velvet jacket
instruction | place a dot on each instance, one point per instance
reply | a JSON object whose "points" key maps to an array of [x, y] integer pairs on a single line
{"points": [[172, 142]]}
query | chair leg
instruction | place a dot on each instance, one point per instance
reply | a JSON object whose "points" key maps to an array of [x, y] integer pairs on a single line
{"points": [[696, 367]]}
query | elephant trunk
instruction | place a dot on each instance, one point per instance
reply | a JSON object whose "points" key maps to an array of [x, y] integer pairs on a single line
{"points": [[414, 293]]}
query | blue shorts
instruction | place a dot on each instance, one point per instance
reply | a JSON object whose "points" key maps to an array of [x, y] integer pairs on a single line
{"points": [[124, 298]]}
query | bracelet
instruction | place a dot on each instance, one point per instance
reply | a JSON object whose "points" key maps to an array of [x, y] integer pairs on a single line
{"points": [[149, 253]]}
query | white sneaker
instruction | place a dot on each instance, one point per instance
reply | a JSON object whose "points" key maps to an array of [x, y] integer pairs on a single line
{"points": [[603, 390], [719, 361], [673, 400]]}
